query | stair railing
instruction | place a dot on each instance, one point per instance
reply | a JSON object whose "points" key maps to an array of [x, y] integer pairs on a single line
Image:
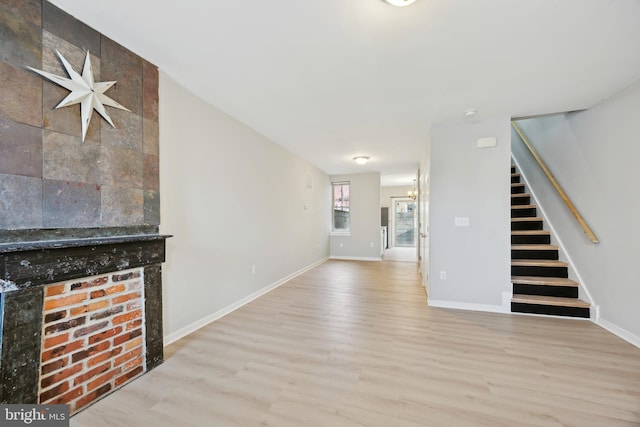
{"points": [[583, 224]]}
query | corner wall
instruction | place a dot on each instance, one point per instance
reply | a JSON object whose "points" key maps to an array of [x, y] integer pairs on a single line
{"points": [[594, 154], [233, 200], [364, 239], [474, 183]]}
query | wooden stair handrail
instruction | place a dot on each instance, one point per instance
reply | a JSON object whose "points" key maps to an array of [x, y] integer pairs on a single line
{"points": [[585, 227]]}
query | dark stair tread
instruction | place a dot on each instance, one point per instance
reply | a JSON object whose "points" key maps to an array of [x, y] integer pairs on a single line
{"points": [[534, 247], [555, 301], [544, 281], [538, 263]]}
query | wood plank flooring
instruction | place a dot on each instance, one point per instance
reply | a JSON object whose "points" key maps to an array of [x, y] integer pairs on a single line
{"points": [[354, 344]]}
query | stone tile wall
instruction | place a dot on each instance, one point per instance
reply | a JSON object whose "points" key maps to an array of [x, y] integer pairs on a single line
{"points": [[49, 177], [92, 337]]}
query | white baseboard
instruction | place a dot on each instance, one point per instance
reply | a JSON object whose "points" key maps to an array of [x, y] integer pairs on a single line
{"points": [[617, 330], [468, 306], [181, 333], [356, 258]]}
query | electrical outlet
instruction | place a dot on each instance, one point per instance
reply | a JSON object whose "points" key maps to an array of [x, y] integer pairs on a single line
{"points": [[443, 275], [253, 269], [341, 245], [371, 244]]}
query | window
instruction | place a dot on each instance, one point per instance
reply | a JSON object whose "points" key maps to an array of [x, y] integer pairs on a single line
{"points": [[341, 206]]}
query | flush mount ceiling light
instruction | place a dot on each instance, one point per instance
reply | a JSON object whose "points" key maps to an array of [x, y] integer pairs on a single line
{"points": [[470, 113], [400, 3], [361, 160]]}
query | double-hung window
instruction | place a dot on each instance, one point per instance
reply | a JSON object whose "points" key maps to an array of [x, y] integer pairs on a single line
{"points": [[340, 207]]}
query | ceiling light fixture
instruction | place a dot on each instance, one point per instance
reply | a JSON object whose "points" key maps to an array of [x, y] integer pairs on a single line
{"points": [[413, 193], [470, 113], [400, 3], [361, 160]]}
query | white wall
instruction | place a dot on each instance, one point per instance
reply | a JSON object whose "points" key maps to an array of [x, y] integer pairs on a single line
{"points": [[469, 182], [364, 239], [233, 199], [594, 156]]}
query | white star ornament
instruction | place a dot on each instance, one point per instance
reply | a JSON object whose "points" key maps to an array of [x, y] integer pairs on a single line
{"points": [[84, 91]]}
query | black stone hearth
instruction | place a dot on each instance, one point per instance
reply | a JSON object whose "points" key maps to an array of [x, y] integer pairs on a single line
{"points": [[30, 259]]}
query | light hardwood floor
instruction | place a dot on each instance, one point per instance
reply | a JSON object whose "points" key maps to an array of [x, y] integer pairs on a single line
{"points": [[354, 344]]}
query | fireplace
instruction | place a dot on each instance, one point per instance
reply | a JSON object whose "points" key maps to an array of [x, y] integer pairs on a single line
{"points": [[81, 314]]}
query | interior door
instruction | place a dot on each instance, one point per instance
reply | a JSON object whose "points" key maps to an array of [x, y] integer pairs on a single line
{"points": [[405, 223]]}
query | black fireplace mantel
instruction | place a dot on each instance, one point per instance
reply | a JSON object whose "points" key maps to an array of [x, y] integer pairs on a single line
{"points": [[36, 263], [29, 264]]}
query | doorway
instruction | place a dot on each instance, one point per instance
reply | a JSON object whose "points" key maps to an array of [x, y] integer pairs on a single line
{"points": [[405, 223]]}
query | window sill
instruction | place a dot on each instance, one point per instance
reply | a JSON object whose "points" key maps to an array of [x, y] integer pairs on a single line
{"points": [[340, 233]]}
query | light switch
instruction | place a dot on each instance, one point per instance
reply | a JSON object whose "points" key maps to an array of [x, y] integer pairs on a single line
{"points": [[488, 142], [461, 221]]}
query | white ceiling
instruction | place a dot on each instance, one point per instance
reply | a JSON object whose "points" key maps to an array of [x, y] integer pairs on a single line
{"points": [[332, 79]]}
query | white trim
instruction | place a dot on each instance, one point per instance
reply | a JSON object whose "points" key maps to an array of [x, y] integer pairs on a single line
{"points": [[340, 233], [617, 330], [355, 258], [572, 264], [181, 333], [468, 306]]}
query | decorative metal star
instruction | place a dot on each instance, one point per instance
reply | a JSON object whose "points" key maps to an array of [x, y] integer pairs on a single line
{"points": [[84, 91]]}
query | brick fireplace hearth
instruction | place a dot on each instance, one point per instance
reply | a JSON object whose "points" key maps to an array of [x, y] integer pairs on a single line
{"points": [[82, 316]]}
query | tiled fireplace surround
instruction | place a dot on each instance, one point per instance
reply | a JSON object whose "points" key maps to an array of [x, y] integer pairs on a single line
{"points": [[82, 316]]}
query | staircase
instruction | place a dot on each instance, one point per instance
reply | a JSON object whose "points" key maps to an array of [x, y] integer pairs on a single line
{"points": [[540, 281]]}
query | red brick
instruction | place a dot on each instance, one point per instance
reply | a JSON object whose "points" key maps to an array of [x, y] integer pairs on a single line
{"points": [[133, 343], [54, 366], [134, 324], [89, 329], [90, 307], [61, 350], [125, 276], [107, 313], [63, 326], [126, 377], [134, 304], [90, 351], [59, 376], [127, 356], [56, 340], [92, 373], [54, 290], [94, 395], [115, 289], [89, 283], [126, 297], [104, 356], [104, 378], [126, 317], [55, 391], [127, 336], [56, 315], [64, 301], [104, 335], [133, 363], [67, 397], [135, 285], [98, 294]]}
